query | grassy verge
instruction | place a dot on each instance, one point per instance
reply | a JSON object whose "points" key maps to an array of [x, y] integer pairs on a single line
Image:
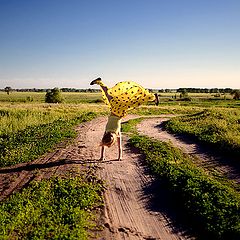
{"points": [[56, 208], [33, 141], [211, 205], [213, 208], [218, 128]]}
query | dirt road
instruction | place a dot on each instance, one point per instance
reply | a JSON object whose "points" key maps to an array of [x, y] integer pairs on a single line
{"points": [[127, 213], [130, 211]]}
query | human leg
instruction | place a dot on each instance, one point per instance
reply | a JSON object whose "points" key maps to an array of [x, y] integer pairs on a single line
{"points": [[102, 157], [119, 141], [104, 88]]}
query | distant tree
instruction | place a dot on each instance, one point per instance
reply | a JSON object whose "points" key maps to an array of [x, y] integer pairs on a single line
{"points": [[228, 90], [8, 90], [214, 90], [53, 96], [236, 94], [183, 93]]}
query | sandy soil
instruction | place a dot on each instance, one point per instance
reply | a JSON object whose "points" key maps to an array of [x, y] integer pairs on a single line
{"points": [[131, 210], [128, 214]]}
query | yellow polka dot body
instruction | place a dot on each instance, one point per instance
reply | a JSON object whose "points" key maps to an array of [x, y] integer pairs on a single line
{"points": [[127, 96]]}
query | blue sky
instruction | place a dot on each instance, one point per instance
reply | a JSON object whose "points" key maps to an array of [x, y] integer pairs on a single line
{"points": [[157, 43]]}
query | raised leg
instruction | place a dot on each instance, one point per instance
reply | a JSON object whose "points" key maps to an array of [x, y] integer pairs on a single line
{"points": [[99, 82]]}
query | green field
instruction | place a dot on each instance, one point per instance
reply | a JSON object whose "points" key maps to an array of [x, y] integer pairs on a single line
{"points": [[39, 97], [199, 99], [29, 128]]}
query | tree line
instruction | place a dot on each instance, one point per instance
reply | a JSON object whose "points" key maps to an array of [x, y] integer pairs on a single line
{"points": [[9, 89], [90, 90], [205, 90], [54, 95]]}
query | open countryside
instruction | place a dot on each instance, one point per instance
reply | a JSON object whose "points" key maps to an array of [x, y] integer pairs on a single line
{"points": [[53, 185]]}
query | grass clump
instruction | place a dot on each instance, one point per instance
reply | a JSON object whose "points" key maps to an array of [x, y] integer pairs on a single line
{"points": [[33, 141], [219, 128], [212, 208], [56, 208]]}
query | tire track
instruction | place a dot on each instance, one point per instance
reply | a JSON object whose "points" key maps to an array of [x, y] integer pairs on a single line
{"points": [[127, 214]]}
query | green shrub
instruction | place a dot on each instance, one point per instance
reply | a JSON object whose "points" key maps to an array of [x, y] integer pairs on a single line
{"points": [[54, 96]]}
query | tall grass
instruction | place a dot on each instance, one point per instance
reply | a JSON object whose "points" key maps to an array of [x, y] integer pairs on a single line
{"points": [[219, 128], [26, 145], [14, 118], [18, 116]]}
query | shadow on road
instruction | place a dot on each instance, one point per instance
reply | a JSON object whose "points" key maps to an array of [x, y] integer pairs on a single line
{"points": [[158, 198], [36, 166]]}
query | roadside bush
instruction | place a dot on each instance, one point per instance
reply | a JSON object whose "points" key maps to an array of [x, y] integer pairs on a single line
{"points": [[54, 96], [236, 94]]}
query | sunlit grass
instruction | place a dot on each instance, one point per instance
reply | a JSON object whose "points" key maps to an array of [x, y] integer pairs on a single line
{"points": [[30, 143], [15, 117], [197, 99], [219, 128], [69, 97], [18, 116]]}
